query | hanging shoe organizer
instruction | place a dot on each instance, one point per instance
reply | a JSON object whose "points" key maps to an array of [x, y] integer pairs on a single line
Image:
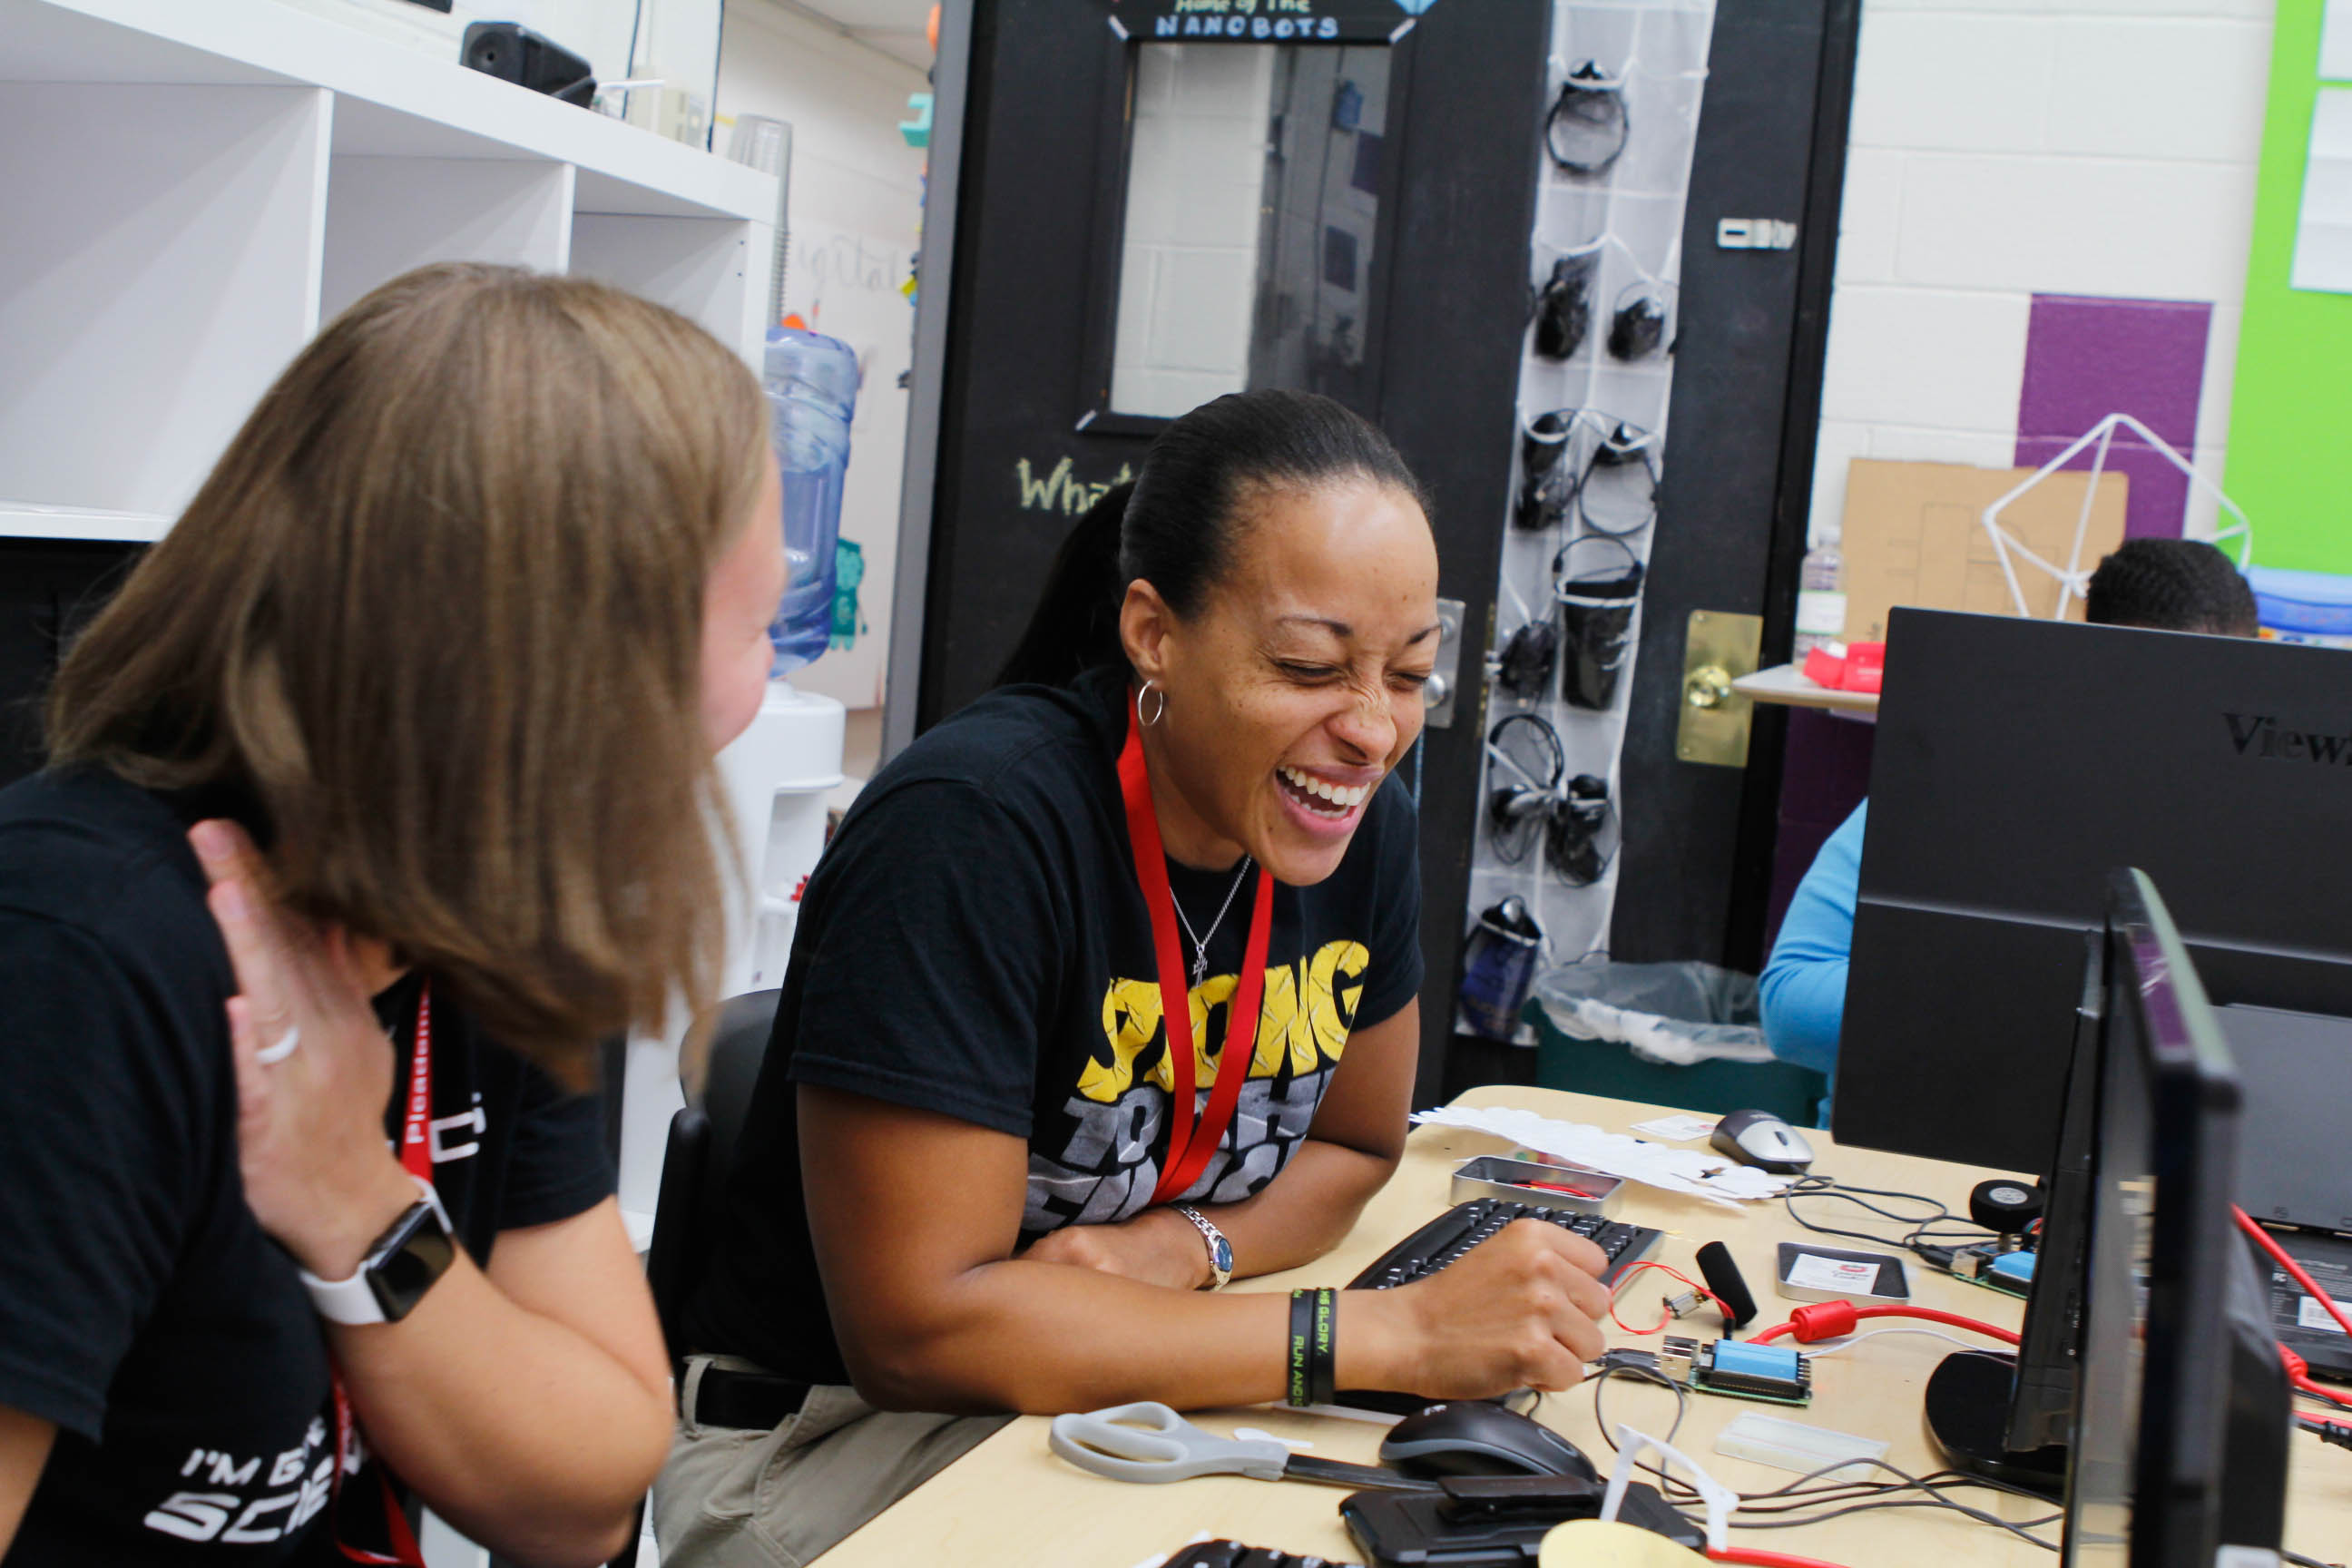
{"points": [[1615, 155]]}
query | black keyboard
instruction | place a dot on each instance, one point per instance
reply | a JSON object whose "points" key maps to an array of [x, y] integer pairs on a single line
{"points": [[1465, 1226]]}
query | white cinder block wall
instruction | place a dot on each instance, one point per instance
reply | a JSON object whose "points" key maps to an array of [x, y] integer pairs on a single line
{"points": [[1188, 264], [2004, 149]]}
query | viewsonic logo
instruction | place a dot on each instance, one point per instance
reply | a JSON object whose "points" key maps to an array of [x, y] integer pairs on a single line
{"points": [[2259, 735]]}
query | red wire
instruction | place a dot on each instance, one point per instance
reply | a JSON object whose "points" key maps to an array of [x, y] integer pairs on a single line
{"points": [[2295, 1271], [2305, 1385], [1728, 1313], [1757, 1559], [1828, 1319]]}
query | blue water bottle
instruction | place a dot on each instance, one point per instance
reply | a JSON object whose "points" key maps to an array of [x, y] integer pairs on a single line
{"points": [[811, 381]]}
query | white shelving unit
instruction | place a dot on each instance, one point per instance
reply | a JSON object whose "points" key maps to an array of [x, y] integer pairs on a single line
{"points": [[192, 188]]}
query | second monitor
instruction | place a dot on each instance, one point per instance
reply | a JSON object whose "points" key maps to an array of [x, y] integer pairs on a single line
{"points": [[2018, 763]]}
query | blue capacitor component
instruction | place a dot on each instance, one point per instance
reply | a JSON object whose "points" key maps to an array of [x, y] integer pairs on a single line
{"points": [[2014, 1268], [1756, 1361]]}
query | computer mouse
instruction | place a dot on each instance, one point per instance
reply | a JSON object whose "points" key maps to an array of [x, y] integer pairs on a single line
{"points": [[1474, 1438], [1762, 1139]]}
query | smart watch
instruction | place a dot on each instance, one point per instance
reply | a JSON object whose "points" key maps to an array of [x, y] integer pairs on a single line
{"points": [[401, 1265], [1221, 1251]]}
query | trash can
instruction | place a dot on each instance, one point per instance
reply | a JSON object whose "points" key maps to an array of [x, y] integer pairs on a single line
{"points": [[1687, 1035]]}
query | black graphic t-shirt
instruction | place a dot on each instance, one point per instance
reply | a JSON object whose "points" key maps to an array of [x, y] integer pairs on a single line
{"points": [[974, 943], [141, 1308]]}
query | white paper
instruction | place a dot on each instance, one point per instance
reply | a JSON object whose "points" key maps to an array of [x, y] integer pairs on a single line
{"points": [[1814, 1273], [2335, 42], [1677, 1129], [2310, 1314], [1703, 1175], [2323, 228]]}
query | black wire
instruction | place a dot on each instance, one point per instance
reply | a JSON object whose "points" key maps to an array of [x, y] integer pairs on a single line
{"points": [[1830, 1501], [1647, 1375], [2300, 1561], [1586, 81], [1933, 1484], [1923, 1231], [2022, 1531], [1637, 449]]}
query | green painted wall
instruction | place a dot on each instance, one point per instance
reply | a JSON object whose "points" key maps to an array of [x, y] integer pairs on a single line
{"points": [[2290, 455]]}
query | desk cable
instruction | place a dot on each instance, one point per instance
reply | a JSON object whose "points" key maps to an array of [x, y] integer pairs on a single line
{"points": [[1932, 1236], [1837, 1320], [1834, 1498]]}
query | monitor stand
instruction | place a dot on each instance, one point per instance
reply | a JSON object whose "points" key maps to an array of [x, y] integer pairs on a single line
{"points": [[1968, 1415]]}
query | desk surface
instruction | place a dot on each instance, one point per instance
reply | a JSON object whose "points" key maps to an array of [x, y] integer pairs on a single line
{"points": [[1011, 1501]]}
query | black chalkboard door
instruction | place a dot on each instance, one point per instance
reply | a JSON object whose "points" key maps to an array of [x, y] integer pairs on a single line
{"points": [[1026, 434], [1039, 209]]}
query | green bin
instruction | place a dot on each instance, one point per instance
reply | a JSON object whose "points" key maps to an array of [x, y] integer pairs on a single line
{"points": [[1589, 1066]]}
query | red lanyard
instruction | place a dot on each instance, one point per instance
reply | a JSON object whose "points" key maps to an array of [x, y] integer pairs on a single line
{"points": [[416, 1123], [416, 1159], [1189, 1143]]}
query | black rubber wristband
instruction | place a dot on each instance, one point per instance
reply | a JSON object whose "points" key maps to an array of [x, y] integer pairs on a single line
{"points": [[1323, 1348], [1298, 1380]]}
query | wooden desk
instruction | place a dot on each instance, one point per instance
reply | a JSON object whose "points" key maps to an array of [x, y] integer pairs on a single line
{"points": [[1012, 1503]]}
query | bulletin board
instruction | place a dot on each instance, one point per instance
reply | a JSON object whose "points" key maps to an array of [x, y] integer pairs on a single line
{"points": [[2289, 464]]}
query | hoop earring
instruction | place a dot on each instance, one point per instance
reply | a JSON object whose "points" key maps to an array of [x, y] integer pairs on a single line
{"points": [[1154, 689]]}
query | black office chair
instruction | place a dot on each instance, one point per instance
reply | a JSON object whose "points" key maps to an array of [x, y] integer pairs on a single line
{"points": [[689, 1212]]}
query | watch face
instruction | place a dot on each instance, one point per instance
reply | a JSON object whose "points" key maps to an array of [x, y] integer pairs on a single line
{"points": [[1221, 1255], [412, 1255]]}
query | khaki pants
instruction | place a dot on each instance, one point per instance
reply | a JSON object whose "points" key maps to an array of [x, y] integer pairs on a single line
{"points": [[733, 1498]]}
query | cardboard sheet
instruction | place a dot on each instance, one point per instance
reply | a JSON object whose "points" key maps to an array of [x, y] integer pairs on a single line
{"points": [[1914, 535]]}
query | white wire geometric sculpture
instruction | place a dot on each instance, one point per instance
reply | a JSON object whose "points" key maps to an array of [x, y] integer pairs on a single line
{"points": [[2074, 576]]}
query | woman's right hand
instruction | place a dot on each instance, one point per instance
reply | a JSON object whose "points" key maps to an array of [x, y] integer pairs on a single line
{"points": [[1521, 1309]]}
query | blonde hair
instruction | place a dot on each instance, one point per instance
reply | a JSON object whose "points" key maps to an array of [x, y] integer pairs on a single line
{"points": [[433, 628]]}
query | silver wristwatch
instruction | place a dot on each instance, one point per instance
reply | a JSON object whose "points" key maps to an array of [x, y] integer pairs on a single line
{"points": [[1221, 1251]]}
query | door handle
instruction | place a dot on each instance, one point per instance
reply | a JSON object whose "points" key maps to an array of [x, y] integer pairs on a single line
{"points": [[1438, 695], [1717, 650]]}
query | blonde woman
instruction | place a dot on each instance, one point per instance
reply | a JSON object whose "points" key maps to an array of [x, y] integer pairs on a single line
{"points": [[378, 794]]}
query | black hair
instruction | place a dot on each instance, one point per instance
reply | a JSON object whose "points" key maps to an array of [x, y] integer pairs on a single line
{"points": [[1176, 525], [2171, 585]]}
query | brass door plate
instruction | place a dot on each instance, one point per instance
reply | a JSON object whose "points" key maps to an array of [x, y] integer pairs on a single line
{"points": [[1717, 650]]}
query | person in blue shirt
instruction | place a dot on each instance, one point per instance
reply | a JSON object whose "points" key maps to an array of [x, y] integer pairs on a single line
{"points": [[2166, 584]]}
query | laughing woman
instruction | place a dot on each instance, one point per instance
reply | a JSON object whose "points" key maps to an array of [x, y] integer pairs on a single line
{"points": [[1009, 1128]]}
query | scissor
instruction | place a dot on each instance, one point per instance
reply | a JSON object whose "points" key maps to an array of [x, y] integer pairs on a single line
{"points": [[1150, 1442]]}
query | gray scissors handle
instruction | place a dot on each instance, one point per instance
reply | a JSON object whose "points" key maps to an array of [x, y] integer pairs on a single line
{"points": [[1150, 1442]]}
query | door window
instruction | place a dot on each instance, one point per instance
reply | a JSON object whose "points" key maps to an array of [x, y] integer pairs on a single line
{"points": [[1253, 190]]}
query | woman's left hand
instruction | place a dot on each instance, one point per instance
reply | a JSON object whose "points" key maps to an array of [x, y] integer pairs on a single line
{"points": [[314, 1069], [1158, 1247]]}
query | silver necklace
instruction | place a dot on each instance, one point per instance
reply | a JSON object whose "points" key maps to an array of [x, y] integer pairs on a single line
{"points": [[1201, 943]]}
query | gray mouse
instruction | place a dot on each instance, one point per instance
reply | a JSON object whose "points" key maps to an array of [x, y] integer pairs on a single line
{"points": [[1477, 1437], [1762, 1139]]}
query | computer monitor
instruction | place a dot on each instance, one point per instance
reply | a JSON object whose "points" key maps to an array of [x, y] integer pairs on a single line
{"points": [[2017, 763], [2178, 1444], [2039, 1419]]}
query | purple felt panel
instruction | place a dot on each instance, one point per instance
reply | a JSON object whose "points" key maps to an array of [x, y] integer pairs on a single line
{"points": [[1824, 774], [1825, 770], [2158, 504], [2085, 359]]}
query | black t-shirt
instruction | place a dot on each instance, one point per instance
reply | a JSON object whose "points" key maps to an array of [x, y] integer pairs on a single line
{"points": [[141, 1308], [974, 942]]}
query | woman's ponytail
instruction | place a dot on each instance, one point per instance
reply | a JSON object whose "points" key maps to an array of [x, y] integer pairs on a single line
{"points": [[1176, 525], [1074, 627]]}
